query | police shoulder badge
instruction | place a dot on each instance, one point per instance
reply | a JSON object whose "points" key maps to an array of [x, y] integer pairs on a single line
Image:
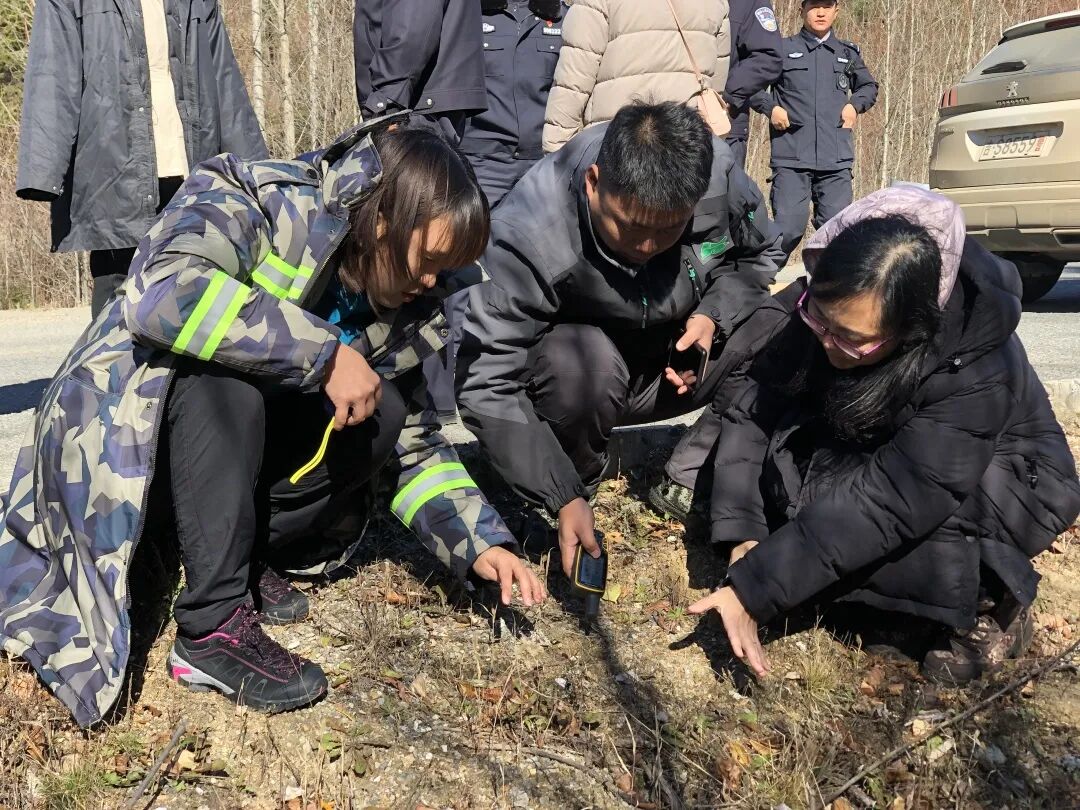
{"points": [[766, 18]]}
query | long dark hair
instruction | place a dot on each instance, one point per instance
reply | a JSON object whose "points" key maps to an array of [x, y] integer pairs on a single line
{"points": [[899, 262], [423, 178]]}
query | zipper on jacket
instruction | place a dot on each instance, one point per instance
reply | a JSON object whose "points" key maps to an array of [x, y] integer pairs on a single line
{"points": [[690, 271], [1033, 473], [644, 309]]}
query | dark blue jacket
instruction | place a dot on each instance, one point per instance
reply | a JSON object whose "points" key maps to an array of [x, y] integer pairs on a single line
{"points": [[755, 58], [418, 54], [816, 82]]}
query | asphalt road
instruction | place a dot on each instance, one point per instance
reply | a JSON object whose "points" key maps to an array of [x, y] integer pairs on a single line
{"points": [[34, 342]]}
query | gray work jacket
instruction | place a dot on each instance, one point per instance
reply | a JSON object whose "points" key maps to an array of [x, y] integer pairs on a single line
{"points": [[86, 141]]}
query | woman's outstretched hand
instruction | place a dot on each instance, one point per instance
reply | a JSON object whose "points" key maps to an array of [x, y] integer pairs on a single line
{"points": [[352, 387], [505, 568], [739, 625]]}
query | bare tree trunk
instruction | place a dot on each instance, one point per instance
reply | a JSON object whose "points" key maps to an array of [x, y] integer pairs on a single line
{"points": [[887, 95], [285, 55], [258, 100], [313, 62], [285, 65]]}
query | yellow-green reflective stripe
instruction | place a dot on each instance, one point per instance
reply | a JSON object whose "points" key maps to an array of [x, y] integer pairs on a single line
{"points": [[281, 265], [303, 276], [413, 485], [259, 278], [434, 492], [223, 324], [194, 321]]}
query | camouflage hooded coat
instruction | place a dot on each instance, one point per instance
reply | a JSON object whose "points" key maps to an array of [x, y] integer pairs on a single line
{"points": [[224, 275]]}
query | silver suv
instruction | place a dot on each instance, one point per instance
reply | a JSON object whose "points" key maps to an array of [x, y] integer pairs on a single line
{"points": [[1007, 149]]}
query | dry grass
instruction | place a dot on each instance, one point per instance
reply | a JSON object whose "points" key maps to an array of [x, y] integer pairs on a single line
{"points": [[438, 702]]}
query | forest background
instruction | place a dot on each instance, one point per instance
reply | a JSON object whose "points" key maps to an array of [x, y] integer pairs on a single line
{"points": [[296, 56]]}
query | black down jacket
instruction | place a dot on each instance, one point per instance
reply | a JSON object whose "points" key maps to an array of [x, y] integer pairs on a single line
{"points": [[976, 475]]}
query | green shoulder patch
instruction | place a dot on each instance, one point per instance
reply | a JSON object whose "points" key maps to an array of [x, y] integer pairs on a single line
{"points": [[710, 249]]}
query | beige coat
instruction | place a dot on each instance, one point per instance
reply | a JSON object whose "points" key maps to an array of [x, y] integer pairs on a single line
{"points": [[618, 51]]}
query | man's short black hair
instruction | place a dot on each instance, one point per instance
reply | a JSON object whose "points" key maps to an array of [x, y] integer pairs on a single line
{"points": [[659, 155]]}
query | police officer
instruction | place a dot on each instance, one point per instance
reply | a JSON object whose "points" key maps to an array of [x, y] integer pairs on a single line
{"points": [[521, 41], [755, 64], [422, 55], [823, 88]]}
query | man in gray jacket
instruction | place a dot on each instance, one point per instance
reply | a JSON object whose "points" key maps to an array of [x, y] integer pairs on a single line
{"points": [[120, 100], [637, 235]]}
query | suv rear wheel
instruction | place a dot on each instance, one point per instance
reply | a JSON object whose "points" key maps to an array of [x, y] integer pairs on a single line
{"points": [[1038, 273]]}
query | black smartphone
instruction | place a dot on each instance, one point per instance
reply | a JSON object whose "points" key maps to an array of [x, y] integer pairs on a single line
{"points": [[695, 360]]}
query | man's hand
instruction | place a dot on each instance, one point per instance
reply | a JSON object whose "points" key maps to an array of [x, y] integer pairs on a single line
{"points": [[502, 566], [739, 625], [576, 527], [848, 116], [351, 385], [779, 118], [700, 329]]}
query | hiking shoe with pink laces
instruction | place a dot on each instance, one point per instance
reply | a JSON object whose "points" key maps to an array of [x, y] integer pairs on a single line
{"points": [[247, 666], [278, 601]]}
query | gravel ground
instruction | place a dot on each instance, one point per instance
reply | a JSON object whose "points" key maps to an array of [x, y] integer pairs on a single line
{"points": [[36, 341]]}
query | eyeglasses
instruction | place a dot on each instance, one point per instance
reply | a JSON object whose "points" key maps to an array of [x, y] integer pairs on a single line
{"points": [[822, 331]]}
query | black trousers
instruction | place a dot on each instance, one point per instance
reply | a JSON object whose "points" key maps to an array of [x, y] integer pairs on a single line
{"points": [[792, 192], [231, 447], [738, 149], [584, 384], [109, 268]]}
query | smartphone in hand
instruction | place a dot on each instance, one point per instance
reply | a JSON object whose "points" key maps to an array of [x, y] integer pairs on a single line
{"points": [[694, 361]]}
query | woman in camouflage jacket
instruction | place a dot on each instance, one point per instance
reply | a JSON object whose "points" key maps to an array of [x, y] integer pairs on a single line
{"points": [[269, 295]]}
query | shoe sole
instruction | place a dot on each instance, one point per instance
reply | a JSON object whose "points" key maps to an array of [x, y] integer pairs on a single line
{"points": [[194, 679]]}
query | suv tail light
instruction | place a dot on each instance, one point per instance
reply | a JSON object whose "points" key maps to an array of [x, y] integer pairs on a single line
{"points": [[948, 99]]}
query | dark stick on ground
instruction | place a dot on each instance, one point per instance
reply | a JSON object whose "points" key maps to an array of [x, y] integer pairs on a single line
{"points": [[151, 774], [952, 721]]}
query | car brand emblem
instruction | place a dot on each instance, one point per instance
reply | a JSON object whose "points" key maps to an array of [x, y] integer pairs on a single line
{"points": [[1012, 90]]}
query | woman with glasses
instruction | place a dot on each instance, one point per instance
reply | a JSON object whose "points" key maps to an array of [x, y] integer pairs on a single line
{"points": [[893, 446]]}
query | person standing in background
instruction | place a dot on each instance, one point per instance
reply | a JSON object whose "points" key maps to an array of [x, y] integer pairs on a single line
{"points": [[755, 64], [822, 90], [119, 103], [620, 51], [419, 55], [521, 41]]}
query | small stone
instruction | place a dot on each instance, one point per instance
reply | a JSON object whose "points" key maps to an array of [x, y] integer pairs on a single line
{"points": [[562, 683], [991, 756]]}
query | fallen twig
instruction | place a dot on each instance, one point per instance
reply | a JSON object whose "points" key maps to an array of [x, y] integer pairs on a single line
{"points": [[151, 774], [564, 759], [952, 721]]}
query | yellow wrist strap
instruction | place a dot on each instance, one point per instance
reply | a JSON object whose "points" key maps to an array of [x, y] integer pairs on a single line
{"points": [[317, 460]]}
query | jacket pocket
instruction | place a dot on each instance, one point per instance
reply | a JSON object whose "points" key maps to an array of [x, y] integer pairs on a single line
{"points": [[547, 56], [845, 145], [496, 54], [97, 7]]}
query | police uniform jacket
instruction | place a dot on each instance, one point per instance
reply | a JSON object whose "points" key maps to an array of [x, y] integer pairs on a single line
{"points": [[816, 81], [418, 54], [520, 54], [755, 58]]}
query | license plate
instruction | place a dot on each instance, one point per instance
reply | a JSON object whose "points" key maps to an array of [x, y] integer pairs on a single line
{"points": [[1018, 145]]}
